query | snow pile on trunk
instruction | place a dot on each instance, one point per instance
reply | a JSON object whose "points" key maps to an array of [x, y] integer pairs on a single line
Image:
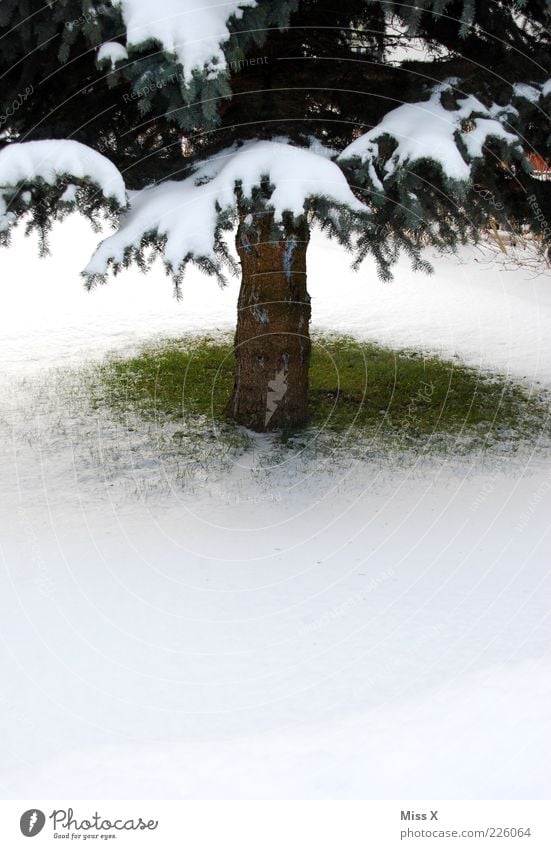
{"points": [[427, 130], [50, 160], [191, 31], [186, 213]]}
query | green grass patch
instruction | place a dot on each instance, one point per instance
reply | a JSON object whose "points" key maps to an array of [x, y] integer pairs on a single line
{"points": [[355, 387]]}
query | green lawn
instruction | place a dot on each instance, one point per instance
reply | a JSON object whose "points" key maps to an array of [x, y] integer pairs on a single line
{"points": [[354, 386]]}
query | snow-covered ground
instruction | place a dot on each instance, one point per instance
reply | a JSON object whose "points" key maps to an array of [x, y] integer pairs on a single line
{"points": [[308, 631]]}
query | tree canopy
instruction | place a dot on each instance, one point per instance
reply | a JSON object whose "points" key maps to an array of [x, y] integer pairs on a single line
{"points": [[391, 125]]}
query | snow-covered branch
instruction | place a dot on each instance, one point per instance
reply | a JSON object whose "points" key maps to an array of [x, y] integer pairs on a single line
{"points": [[427, 130], [191, 31], [184, 218], [53, 162]]}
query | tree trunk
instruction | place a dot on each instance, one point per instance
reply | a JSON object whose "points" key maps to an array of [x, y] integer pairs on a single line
{"points": [[272, 342]]}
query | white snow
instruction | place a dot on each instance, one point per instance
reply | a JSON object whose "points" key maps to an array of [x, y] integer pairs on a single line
{"points": [[112, 52], [426, 131], [48, 160], [529, 92], [186, 212], [313, 631], [190, 30], [478, 136], [69, 195]]}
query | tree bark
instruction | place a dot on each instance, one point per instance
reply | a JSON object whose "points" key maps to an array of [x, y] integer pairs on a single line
{"points": [[272, 341]]}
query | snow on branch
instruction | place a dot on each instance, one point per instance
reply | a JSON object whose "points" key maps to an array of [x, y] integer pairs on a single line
{"points": [[184, 219], [533, 92], [191, 30], [429, 131], [112, 52], [49, 161]]}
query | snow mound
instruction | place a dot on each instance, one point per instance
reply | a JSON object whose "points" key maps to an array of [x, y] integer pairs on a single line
{"points": [[187, 212], [51, 159], [193, 32], [427, 130], [112, 52]]}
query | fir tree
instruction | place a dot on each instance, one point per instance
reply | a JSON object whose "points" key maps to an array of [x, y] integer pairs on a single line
{"points": [[264, 119]]}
